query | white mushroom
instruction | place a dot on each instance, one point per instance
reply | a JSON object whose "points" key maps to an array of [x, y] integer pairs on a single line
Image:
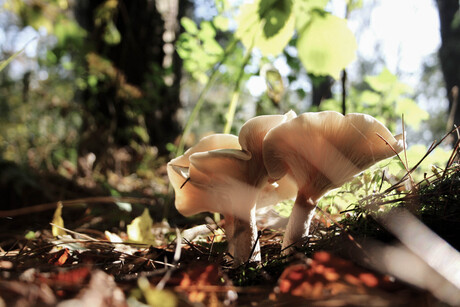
{"points": [[322, 151], [229, 180]]}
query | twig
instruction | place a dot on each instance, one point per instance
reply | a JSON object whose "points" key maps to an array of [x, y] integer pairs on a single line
{"points": [[259, 233], [453, 109], [344, 91], [432, 147], [176, 258], [74, 202]]}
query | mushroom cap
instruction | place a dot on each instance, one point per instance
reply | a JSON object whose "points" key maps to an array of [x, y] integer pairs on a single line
{"points": [[324, 150], [189, 197], [252, 133], [220, 175], [217, 183], [207, 143], [251, 138]]}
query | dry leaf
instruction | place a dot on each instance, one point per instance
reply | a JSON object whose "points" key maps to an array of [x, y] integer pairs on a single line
{"points": [[327, 275], [58, 221], [140, 229], [101, 291], [202, 283], [59, 258], [155, 297]]}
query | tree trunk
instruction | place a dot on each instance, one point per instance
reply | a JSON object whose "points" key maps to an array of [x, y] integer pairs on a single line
{"points": [[449, 54], [132, 90]]}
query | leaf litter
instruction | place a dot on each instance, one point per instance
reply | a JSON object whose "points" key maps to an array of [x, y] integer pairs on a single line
{"points": [[355, 258]]}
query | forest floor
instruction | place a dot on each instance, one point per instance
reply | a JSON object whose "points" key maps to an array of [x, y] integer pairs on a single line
{"points": [[358, 258]]}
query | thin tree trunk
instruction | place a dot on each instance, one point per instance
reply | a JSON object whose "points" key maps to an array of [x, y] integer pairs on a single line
{"points": [[449, 54]]}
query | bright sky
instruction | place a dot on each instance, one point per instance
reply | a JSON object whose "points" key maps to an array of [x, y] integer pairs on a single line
{"points": [[407, 30]]}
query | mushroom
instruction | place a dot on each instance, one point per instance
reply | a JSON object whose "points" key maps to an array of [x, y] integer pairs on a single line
{"points": [[231, 180], [178, 171], [322, 151]]}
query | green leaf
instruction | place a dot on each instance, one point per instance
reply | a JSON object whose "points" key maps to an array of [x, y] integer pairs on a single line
{"points": [[354, 4], [207, 31], [284, 208], [439, 157], [267, 25], [326, 45], [111, 34], [220, 22], [331, 105], [212, 47], [303, 10], [275, 13], [68, 32], [381, 82], [413, 114], [30, 235], [142, 133], [189, 25], [370, 98]]}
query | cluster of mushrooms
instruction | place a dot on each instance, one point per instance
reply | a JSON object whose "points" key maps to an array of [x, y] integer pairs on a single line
{"points": [[274, 158]]}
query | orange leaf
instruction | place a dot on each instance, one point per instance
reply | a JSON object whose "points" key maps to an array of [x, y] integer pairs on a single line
{"points": [[59, 258], [198, 277], [327, 275], [369, 279], [73, 276]]}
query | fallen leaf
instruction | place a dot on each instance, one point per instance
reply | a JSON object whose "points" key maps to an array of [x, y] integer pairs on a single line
{"points": [[16, 293], [155, 297], [102, 291], [140, 229], [59, 258], [58, 221], [327, 275], [72, 277], [203, 282], [6, 265]]}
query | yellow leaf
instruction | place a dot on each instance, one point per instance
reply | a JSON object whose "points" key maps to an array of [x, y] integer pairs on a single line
{"points": [[112, 237], [58, 221], [157, 297], [140, 229]]}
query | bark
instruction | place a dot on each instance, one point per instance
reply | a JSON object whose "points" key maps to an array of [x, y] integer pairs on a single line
{"points": [[449, 53], [138, 95]]}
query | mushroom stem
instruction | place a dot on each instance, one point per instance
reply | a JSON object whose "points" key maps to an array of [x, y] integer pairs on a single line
{"points": [[245, 245], [299, 222], [229, 233]]}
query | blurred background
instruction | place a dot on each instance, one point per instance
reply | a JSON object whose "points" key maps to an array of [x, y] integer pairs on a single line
{"points": [[96, 96]]}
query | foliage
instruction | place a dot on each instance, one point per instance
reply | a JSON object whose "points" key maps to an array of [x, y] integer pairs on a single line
{"points": [[267, 26], [384, 97], [198, 48], [319, 41], [47, 113]]}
